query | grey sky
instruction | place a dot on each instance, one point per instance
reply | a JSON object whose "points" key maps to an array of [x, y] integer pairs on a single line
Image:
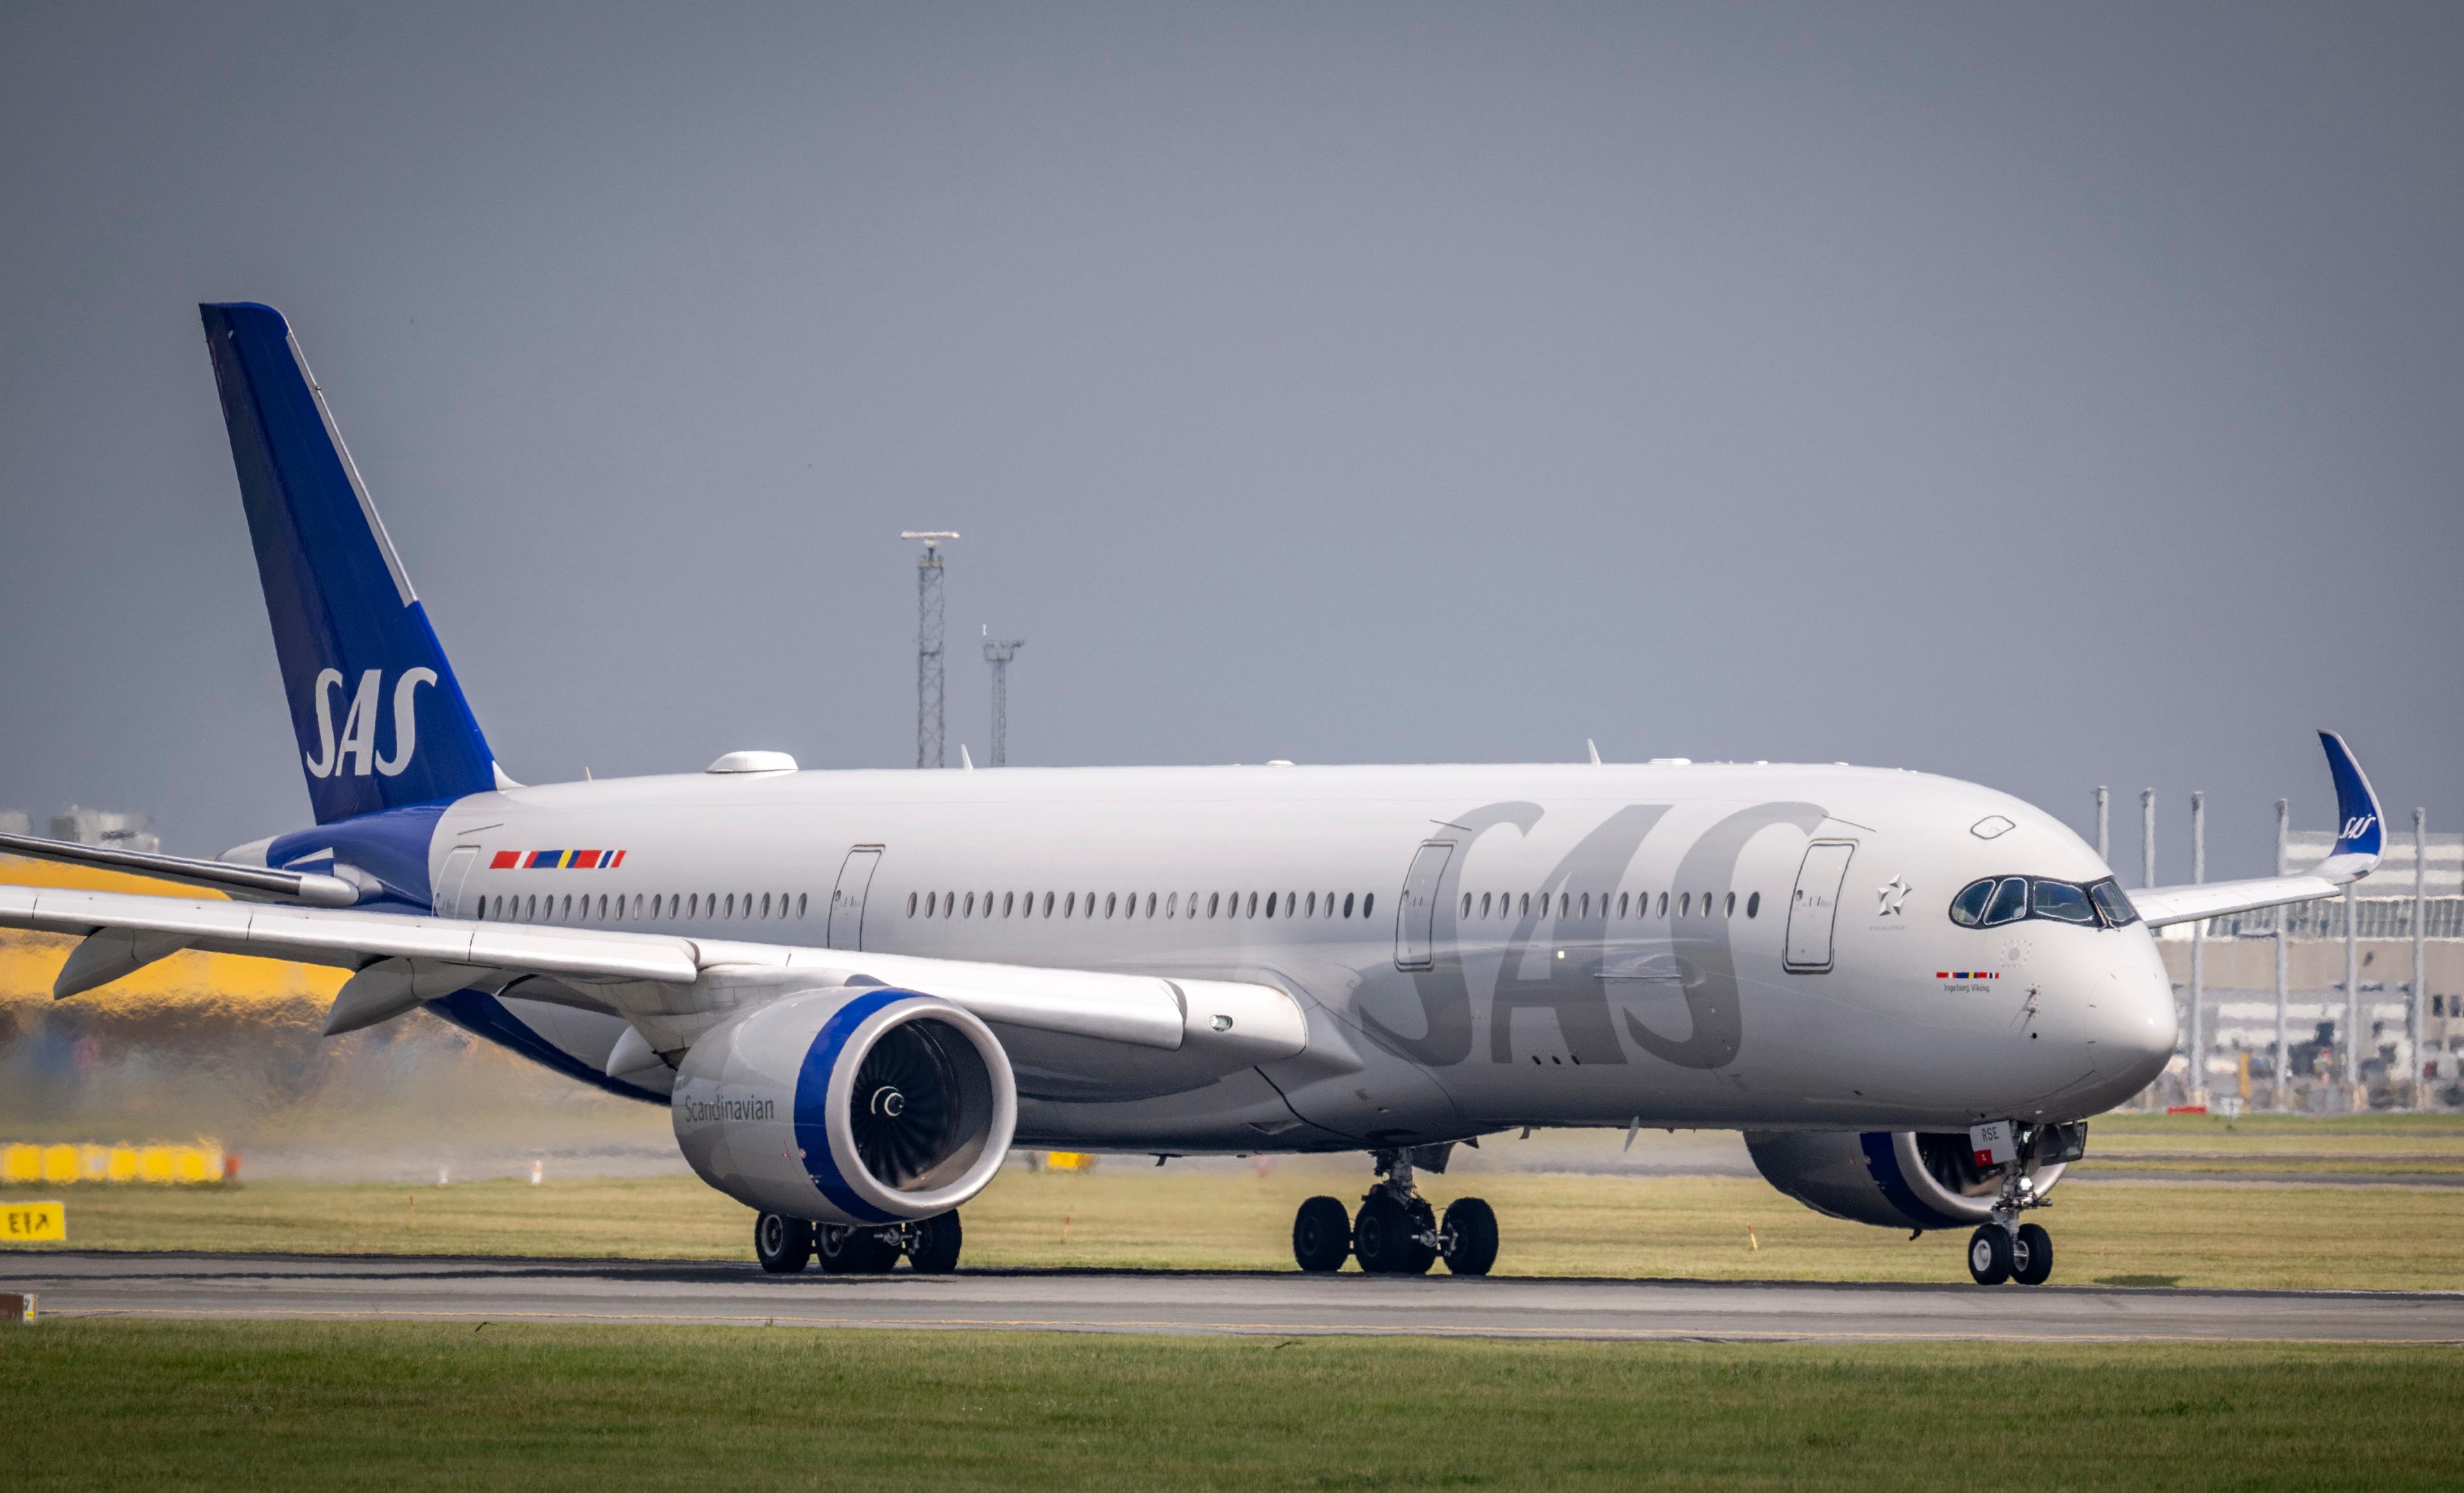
{"points": [[2043, 395]]}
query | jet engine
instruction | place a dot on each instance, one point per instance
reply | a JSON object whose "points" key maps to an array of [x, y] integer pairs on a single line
{"points": [[1907, 1179], [869, 1106]]}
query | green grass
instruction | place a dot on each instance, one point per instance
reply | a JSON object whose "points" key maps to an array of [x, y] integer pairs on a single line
{"points": [[1726, 1228], [544, 1407]]}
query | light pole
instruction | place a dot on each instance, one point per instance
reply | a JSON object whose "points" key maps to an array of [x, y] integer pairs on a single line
{"points": [[929, 713], [2199, 953], [998, 652]]}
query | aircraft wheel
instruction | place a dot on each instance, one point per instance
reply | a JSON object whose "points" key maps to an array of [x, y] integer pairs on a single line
{"points": [[1469, 1237], [2031, 1256], [936, 1250], [1425, 1233], [1381, 1237], [1988, 1254], [782, 1243], [846, 1251], [1322, 1236]]}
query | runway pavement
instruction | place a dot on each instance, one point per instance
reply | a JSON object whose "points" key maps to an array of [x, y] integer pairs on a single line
{"points": [[203, 1285]]}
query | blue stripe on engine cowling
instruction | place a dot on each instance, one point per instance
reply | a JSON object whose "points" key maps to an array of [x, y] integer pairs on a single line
{"points": [[1883, 1163], [812, 1103]]}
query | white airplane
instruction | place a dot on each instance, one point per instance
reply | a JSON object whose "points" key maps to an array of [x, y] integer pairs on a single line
{"points": [[857, 990]]}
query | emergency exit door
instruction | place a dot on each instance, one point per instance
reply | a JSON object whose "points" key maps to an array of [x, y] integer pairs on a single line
{"points": [[1816, 905], [448, 900], [848, 897]]}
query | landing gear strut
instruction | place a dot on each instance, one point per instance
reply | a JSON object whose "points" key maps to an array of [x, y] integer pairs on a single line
{"points": [[784, 1245], [1397, 1232], [2006, 1249]]}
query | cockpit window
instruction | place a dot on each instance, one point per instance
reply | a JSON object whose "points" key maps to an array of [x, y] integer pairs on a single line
{"points": [[2112, 904], [2010, 902], [2063, 902], [1968, 909], [1997, 900]]}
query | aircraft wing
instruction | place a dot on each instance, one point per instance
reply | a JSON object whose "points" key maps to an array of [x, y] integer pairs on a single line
{"points": [[669, 987], [2354, 856]]}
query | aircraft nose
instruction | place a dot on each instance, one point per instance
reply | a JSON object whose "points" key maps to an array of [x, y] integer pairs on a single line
{"points": [[2138, 1029]]}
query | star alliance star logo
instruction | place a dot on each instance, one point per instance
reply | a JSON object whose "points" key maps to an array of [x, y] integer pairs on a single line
{"points": [[1892, 895]]}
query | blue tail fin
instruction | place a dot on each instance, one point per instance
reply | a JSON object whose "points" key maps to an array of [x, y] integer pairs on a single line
{"points": [[354, 642]]}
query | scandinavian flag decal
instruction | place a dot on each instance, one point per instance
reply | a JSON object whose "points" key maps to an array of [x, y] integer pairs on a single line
{"points": [[556, 860]]}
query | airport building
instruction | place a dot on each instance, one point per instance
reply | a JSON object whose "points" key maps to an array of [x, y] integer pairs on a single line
{"points": [[121, 831], [2237, 984]]}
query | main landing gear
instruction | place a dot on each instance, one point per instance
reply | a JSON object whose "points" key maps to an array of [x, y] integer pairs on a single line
{"points": [[2006, 1249], [784, 1245], [1397, 1232]]}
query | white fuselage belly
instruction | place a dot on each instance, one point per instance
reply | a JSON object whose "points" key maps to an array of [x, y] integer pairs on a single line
{"points": [[1604, 1009]]}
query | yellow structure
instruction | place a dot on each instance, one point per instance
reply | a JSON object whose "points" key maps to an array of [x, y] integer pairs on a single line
{"points": [[28, 962], [33, 1223], [23, 1164]]}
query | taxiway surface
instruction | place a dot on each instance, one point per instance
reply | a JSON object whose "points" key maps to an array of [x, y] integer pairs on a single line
{"points": [[201, 1286]]}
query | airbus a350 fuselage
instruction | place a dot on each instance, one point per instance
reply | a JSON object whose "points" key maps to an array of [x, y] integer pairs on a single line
{"points": [[1764, 945]]}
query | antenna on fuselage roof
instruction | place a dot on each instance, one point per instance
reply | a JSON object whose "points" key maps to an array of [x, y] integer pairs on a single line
{"points": [[1594, 747]]}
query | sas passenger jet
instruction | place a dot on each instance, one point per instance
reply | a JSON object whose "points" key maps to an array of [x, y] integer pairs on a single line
{"points": [[855, 991]]}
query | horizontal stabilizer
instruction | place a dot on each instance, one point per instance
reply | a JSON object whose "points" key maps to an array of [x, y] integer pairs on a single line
{"points": [[238, 881]]}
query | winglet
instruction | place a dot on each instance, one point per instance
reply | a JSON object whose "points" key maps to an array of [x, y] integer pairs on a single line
{"points": [[2359, 823]]}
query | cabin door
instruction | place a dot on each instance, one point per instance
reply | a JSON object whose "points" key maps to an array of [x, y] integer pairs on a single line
{"points": [[1815, 906], [1416, 920], [847, 898]]}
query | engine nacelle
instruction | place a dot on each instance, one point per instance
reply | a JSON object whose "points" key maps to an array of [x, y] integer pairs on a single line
{"points": [[869, 1106], [1905, 1179]]}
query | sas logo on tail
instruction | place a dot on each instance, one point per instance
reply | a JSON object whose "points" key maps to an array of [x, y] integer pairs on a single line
{"points": [[357, 750]]}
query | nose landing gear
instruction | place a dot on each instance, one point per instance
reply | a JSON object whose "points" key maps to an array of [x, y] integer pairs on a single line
{"points": [[2006, 1249], [1397, 1232]]}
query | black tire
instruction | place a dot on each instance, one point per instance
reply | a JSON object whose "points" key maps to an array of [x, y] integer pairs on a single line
{"points": [[1382, 1238], [1469, 1237], [1424, 1225], [2031, 1256], [936, 1250], [782, 1243], [1322, 1236], [1988, 1254], [846, 1251]]}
